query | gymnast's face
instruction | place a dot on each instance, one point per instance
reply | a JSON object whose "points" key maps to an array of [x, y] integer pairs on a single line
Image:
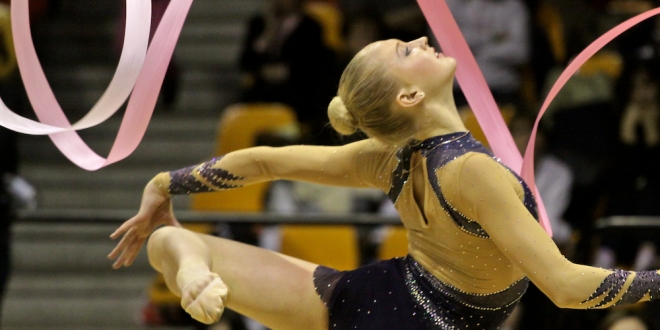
{"points": [[415, 63]]}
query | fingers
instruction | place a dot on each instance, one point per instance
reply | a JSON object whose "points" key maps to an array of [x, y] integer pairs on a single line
{"points": [[132, 251], [124, 227], [120, 251], [129, 252], [122, 244]]}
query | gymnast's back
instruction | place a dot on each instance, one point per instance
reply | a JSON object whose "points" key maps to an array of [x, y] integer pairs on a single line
{"points": [[427, 186]]}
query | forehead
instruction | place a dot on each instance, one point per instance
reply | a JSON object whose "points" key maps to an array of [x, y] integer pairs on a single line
{"points": [[383, 50]]}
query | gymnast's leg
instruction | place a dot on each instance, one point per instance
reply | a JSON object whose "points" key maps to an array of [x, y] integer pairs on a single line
{"points": [[269, 287]]}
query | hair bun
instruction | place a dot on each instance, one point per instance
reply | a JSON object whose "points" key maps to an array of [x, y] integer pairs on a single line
{"points": [[340, 119]]}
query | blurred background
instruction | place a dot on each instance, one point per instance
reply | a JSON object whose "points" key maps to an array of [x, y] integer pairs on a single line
{"points": [[261, 72]]}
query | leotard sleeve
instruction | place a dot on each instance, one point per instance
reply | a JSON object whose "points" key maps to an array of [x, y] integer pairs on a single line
{"points": [[482, 189], [364, 164]]}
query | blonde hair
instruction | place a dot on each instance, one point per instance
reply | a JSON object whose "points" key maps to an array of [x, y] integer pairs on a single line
{"points": [[365, 101]]}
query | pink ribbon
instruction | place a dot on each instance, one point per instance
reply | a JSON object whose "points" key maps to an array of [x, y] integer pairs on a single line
{"points": [[481, 99], [528, 164], [38, 89], [143, 75], [476, 91]]}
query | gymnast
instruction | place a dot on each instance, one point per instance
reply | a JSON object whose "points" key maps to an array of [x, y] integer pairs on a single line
{"points": [[474, 239]]}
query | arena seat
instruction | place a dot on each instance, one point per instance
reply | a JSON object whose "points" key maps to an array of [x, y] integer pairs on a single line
{"points": [[239, 127], [334, 246], [330, 19]]}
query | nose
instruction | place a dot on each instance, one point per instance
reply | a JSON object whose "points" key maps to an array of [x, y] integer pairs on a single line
{"points": [[422, 43]]}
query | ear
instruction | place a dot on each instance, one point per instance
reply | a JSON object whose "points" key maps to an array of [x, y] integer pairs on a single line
{"points": [[409, 97]]}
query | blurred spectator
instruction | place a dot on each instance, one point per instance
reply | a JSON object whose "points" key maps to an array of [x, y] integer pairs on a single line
{"points": [[9, 92], [170, 87], [554, 178], [284, 59], [639, 179], [8, 164], [547, 50], [497, 32], [403, 18], [582, 125], [634, 186], [625, 320], [639, 39], [38, 8], [359, 31]]}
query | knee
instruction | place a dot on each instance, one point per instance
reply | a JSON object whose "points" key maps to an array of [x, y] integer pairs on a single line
{"points": [[157, 243]]}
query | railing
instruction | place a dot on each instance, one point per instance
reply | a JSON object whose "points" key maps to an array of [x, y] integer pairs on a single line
{"points": [[628, 222], [118, 216]]}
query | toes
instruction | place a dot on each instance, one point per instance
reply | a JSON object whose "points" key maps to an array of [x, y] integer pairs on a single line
{"points": [[204, 312], [195, 288], [204, 298]]}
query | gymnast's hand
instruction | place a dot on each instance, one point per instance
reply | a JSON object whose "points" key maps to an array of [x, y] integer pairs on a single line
{"points": [[155, 210]]}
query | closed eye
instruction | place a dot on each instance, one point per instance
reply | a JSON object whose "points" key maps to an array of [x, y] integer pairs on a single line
{"points": [[407, 51]]}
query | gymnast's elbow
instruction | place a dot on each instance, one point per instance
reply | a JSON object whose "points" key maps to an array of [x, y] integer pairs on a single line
{"points": [[562, 300], [562, 292]]}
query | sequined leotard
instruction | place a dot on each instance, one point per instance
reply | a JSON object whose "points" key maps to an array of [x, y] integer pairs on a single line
{"points": [[473, 236]]}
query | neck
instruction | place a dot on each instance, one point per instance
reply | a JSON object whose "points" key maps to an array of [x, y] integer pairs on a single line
{"points": [[439, 117]]}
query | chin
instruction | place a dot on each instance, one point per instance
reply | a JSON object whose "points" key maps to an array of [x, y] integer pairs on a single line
{"points": [[452, 63]]}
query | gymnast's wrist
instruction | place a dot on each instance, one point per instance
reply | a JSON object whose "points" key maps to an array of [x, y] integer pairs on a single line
{"points": [[162, 182]]}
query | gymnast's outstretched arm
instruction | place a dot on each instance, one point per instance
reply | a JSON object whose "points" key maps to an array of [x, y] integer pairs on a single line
{"points": [[486, 192], [353, 165], [359, 164]]}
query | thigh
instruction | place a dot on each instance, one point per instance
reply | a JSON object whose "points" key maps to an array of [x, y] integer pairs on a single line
{"points": [[272, 288]]}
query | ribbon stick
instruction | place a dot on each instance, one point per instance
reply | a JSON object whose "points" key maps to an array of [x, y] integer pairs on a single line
{"points": [[528, 164], [476, 91], [147, 82], [40, 93]]}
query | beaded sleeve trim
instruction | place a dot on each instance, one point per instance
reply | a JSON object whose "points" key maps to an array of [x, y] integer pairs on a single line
{"points": [[202, 178], [646, 282]]}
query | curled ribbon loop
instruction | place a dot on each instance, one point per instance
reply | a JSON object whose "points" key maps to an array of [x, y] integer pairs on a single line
{"points": [[574, 66], [142, 74], [42, 97]]}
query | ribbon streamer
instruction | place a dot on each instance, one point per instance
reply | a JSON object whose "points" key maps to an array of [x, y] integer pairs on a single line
{"points": [[141, 103], [481, 100], [39, 91], [476, 91], [528, 164]]}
